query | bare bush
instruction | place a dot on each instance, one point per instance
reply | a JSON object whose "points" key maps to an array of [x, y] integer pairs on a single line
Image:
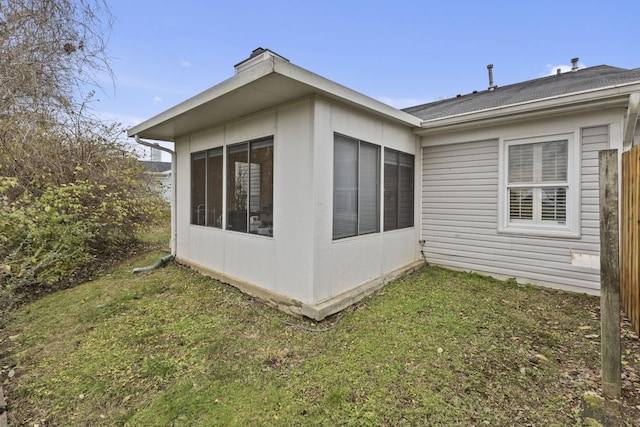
{"points": [[70, 192]]}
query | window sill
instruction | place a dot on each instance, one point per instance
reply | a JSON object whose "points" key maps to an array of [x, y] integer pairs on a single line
{"points": [[206, 227], [400, 230], [534, 231], [375, 234]]}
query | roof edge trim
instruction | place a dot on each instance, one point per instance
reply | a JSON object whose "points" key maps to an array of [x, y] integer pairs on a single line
{"points": [[592, 96], [345, 94], [254, 73], [318, 83]]}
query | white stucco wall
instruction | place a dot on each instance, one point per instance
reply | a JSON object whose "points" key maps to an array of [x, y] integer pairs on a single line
{"points": [[300, 261], [275, 264], [344, 264]]}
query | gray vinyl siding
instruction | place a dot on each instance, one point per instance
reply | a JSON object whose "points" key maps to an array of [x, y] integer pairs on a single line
{"points": [[460, 217]]}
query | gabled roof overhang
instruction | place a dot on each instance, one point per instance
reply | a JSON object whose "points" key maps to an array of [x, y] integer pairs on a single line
{"points": [[609, 97], [264, 85]]}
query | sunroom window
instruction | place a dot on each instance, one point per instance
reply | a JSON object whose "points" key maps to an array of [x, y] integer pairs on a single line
{"points": [[206, 188], [398, 189], [250, 187], [356, 187]]}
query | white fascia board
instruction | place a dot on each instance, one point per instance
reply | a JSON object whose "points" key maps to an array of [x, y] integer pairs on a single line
{"points": [[254, 73], [334, 90], [603, 97], [274, 65]]}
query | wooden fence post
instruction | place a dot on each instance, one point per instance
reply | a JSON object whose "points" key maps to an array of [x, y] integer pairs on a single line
{"points": [[609, 274]]}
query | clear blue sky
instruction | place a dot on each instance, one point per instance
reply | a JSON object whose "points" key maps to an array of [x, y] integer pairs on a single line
{"points": [[403, 52]]}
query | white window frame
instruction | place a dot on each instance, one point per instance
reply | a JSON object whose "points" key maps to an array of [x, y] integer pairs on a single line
{"points": [[571, 228]]}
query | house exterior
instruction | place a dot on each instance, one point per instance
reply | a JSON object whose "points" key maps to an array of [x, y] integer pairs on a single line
{"points": [[510, 175], [160, 174], [310, 195]]}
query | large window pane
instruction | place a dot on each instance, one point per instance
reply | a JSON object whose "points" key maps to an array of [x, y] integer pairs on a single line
{"points": [[237, 187], [198, 188], [356, 187], [250, 187], [345, 187], [206, 188], [391, 177], [405, 191], [214, 187], [369, 189], [261, 187], [398, 189]]}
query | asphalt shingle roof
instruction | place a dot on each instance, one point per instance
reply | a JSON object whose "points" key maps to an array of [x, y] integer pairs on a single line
{"points": [[563, 84]]}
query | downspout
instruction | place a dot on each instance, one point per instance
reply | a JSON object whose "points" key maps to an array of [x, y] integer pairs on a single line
{"points": [[174, 228], [158, 264], [631, 120]]}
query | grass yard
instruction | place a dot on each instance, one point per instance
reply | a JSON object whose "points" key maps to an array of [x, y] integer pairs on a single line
{"points": [[173, 348]]}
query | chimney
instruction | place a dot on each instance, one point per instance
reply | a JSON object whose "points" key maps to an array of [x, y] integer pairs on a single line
{"points": [[574, 64], [258, 56], [156, 155], [491, 85]]}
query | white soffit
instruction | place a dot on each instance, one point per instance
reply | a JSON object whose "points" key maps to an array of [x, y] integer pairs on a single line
{"points": [[262, 86]]}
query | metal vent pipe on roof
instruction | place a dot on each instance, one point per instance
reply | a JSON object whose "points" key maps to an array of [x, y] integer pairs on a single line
{"points": [[574, 64], [490, 68]]}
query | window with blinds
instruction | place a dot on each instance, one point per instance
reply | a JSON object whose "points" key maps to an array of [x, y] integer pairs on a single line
{"points": [[537, 183], [356, 187], [398, 189]]}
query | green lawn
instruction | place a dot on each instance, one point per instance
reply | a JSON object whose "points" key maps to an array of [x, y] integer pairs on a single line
{"points": [[173, 348]]}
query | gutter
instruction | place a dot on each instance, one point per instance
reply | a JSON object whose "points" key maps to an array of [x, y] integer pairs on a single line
{"points": [[174, 228], [602, 97]]}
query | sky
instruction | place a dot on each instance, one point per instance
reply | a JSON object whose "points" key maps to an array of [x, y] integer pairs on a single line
{"points": [[401, 52]]}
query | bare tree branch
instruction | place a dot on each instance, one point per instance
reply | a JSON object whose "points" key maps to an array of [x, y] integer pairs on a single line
{"points": [[51, 54]]}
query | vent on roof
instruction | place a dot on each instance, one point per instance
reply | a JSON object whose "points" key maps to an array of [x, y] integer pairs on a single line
{"points": [[574, 64], [491, 85]]}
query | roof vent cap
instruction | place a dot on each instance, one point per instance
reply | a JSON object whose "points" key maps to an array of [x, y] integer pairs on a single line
{"points": [[491, 85], [574, 64]]}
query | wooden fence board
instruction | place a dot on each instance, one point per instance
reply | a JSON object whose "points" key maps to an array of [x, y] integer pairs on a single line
{"points": [[610, 272], [630, 237]]}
